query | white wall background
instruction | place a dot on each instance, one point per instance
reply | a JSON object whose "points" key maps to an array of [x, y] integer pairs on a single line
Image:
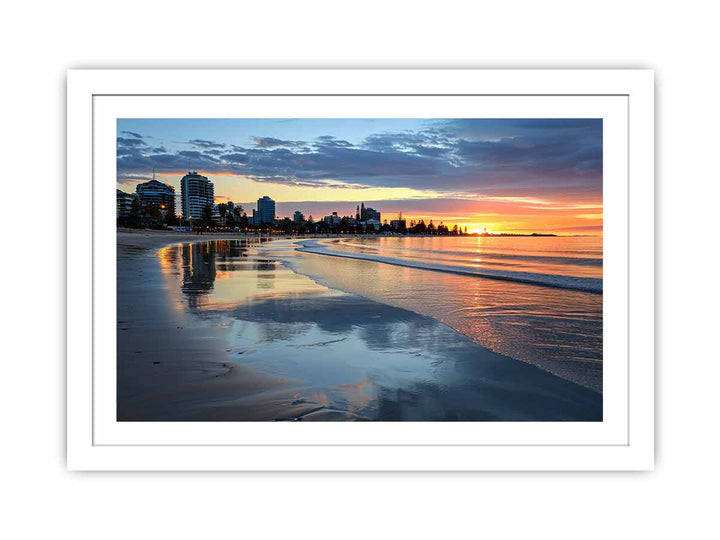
{"points": [[41, 40]]}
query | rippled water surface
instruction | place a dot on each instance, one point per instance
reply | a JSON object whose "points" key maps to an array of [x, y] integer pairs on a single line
{"points": [[558, 329]]}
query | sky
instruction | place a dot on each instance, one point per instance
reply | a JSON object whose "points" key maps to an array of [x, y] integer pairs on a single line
{"points": [[499, 175]]}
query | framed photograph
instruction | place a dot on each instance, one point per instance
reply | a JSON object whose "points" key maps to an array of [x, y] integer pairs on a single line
{"points": [[360, 270]]}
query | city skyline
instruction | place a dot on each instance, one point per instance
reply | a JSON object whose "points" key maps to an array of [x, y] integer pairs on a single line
{"points": [[506, 175]]}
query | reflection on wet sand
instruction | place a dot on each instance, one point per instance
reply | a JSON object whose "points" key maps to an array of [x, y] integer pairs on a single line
{"points": [[322, 354]]}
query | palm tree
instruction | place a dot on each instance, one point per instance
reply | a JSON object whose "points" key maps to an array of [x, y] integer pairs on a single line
{"points": [[133, 220], [207, 215], [222, 210]]}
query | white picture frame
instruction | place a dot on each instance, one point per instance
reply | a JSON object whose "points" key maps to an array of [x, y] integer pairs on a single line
{"points": [[623, 441]]}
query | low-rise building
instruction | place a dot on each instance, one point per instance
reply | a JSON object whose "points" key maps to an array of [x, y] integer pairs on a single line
{"points": [[332, 220], [374, 223], [398, 225], [124, 203]]}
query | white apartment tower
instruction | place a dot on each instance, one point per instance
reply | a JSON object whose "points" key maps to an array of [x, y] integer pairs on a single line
{"points": [[197, 192]]}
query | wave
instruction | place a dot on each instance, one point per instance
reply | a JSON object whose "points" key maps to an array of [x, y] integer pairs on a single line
{"points": [[593, 285], [589, 260]]}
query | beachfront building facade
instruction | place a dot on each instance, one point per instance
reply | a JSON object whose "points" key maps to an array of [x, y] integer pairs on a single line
{"points": [[298, 216], [374, 223], [157, 193], [398, 225], [368, 213], [216, 217], [265, 211], [124, 203], [332, 220], [197, 193]]}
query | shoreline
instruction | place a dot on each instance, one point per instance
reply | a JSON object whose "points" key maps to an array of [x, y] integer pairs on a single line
{"points": [[148, 238], [173, 365], [571, 283], [152, 239]]}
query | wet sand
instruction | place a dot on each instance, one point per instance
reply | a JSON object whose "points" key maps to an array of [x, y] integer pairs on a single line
{"points": [[139, 239], [213, 332]]}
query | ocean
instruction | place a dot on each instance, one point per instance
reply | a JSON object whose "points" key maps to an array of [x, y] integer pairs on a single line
{"points": [[536, 299]]}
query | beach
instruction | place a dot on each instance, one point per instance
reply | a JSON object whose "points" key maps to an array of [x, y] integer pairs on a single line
{"points": [[223, 328]]}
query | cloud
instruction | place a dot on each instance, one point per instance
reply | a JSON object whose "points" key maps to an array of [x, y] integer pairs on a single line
{"points": [[132, 134], [132, 179], [124, 142], [202, 143], [328, 141], [234, 158], [130, 146], [271, 142]]}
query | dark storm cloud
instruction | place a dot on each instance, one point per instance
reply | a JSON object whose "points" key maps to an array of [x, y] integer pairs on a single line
{"points": [[462, 155], [202, 143]]}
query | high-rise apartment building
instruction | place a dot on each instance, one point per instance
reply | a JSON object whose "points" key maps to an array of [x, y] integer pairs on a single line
{"points": [[197, 192], [265, 210]]}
